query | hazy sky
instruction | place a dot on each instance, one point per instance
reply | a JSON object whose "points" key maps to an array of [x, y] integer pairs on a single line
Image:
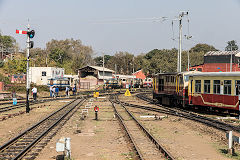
{"points": [[124, 25]]}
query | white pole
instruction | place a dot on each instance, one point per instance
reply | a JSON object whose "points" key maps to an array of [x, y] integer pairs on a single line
{"points": [[103, 72], [27, 76], [230, 143], [68, 147], [180, 44], [133, 72], [188, 61], [231, 60]]}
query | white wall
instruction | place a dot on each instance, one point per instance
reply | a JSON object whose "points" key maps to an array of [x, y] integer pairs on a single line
{"points": [[36, 74]]}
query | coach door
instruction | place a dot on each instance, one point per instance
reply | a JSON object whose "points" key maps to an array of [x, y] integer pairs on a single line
{"points": [[161, 85], [237, 86]]}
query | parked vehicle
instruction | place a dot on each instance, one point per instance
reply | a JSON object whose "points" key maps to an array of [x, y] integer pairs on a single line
{"points": [[61, 83]]}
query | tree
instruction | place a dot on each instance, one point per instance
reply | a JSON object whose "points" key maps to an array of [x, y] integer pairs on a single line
{"points": [[7, 41], [99, 60], [203, 48], [70, 53], [38, 57], [231, 46]]}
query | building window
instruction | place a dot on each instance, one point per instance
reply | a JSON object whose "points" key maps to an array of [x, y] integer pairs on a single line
{"points": [[199, 69], [216, 86], [198, 86], [44, 73], [206, 86], [227, 87]]}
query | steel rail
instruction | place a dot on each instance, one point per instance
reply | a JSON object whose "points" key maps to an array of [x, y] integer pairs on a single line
{"points": [[12, 107], [135, 147], [149, 135], [207, 121], [29, 146], [44, 133]]}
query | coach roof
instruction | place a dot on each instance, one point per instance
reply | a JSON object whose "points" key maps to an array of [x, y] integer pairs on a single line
{"points": [[225, 53], [216, 74]]}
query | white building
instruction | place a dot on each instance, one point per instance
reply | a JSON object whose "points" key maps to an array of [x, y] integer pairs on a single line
{"points": [[40, 75]]}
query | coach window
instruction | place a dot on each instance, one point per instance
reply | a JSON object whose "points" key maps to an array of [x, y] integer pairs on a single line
{"points": [[216, 86], [206, 86], [227, 87], [186, 78], [167, 78], [198, 86], [237, 87]]}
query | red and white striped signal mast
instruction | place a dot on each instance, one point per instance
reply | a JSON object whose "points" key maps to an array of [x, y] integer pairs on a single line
{"points": [[30, 34]]}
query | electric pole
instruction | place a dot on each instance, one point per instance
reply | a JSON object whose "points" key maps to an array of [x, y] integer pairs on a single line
{"points": [[133, 71], [179, 65], [103, 73], [231, 59]]}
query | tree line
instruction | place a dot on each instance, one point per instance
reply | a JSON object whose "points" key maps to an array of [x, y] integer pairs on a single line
{"points": [[71, 55]]}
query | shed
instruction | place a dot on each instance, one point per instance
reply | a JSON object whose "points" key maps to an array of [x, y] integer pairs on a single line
{"points": [[91, 76]]}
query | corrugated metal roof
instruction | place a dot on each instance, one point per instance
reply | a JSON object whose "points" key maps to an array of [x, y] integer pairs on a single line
{"points": [[217, 53], [99, 68], [216, 74]]}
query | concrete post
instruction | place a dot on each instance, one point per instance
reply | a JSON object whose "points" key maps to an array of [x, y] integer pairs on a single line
{"points": [[68, 147], [230, 143]]}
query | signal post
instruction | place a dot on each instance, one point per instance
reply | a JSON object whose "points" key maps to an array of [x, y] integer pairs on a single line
{"points": [[30, 34]]}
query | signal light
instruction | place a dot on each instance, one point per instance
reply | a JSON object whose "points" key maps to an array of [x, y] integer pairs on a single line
{"points": [[31, 33], [31, 44]]}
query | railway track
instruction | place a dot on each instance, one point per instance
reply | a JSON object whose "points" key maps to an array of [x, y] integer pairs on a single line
{"points": [[22, 104], [144, 144], [182, 113], [28, 144]]}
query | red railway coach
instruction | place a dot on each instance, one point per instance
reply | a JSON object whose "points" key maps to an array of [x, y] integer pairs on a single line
{"points": [[215, 90], [171, 88]]}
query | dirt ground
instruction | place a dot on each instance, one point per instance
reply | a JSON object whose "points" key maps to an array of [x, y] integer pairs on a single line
{"points": [[10, 127], [91, 139], [105, 140], [184, 139]]}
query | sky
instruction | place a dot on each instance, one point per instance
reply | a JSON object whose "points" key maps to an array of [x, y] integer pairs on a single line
{"points": [[134, 26]]}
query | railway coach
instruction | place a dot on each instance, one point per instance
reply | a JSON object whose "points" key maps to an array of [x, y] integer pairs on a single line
{"points": [[206, 90], [215, 90], [171, 88]]}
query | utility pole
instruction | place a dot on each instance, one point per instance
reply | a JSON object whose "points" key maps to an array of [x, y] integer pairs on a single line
{"points": [[133, 72], [231, 59], [188, 37], [103, 72], [179, 65]]}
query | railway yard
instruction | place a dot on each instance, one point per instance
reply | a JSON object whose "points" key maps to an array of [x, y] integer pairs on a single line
{"points": [[127, 127]]}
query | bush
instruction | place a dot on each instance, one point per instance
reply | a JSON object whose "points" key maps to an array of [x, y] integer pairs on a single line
{"points": [[1, 63], [16, 88], [41, 88], [4, 79]]}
